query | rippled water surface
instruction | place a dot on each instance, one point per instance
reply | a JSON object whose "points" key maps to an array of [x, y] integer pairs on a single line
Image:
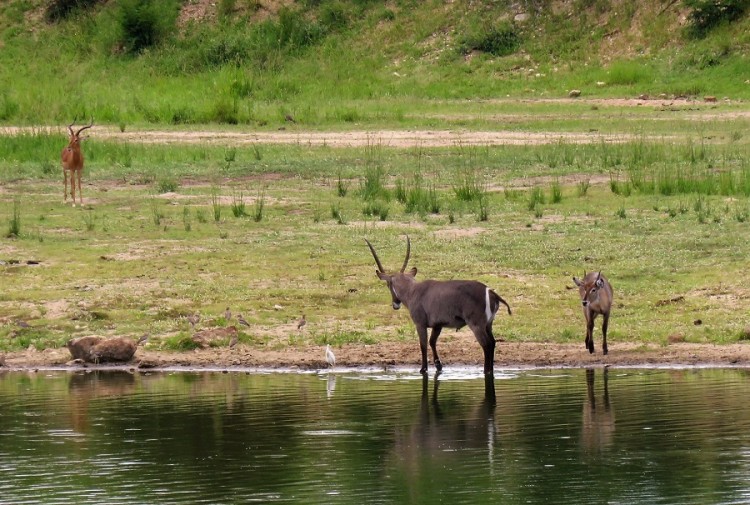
{"points": [[571, 436]]}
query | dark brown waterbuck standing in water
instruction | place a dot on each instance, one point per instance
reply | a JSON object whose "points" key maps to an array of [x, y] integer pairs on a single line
{"points": [[443, 304], [596, 298]]}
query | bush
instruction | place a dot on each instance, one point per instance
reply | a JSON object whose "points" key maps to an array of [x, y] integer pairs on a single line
{"points": [[145, 23], [59, 10], [707, 14], [500, 40]]}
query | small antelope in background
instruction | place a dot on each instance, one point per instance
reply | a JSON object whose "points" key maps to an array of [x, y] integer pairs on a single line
{"points": [[443, 304], [596, 297], [72, 161]]}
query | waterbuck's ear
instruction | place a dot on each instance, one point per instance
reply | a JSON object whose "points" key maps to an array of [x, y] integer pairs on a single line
{"points": [[599, 282], [577, 281], [413, 272]]}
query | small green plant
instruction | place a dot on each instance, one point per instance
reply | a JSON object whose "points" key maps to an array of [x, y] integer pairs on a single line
{"points": [[259, 206], [536, 198], [582, 188], [400, 191], [201, 216], [166, 185], [556, 192], [377, 208], [156, 213], [469, 187], [230, 155], [180, 342], [238, 205], [342, 187], [317, 213], [483, 212], [337, 214], [621, 212], [186, 219], [89, 220], [14, 225], [373, 185], [215, 203]]}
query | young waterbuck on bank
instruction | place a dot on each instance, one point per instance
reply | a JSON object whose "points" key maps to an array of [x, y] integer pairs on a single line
{"points": [[443, 304], [596, 297]]}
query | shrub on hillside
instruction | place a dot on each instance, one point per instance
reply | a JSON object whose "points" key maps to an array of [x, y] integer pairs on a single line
{"points": [[58, 10], [145, 23], [499, 40], [707, 14]]}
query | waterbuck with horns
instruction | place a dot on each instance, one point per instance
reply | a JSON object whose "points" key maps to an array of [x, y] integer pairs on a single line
{"points": [[443, 304], [596, 298]]}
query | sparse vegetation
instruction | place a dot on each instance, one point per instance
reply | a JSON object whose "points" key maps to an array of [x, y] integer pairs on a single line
{"points": [[672, 168]]}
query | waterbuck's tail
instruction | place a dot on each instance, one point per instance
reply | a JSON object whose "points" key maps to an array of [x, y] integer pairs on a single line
{"points": [[497, 300]]}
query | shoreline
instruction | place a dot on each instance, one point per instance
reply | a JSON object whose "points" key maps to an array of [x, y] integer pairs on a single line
{"points": [[457, 355]]}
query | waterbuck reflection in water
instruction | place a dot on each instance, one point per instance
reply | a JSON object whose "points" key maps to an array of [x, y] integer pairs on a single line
{"points": [[438, 434], [598, 423]]}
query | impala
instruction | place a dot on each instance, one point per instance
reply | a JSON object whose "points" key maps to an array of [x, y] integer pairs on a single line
{"points": [[72, 161]]}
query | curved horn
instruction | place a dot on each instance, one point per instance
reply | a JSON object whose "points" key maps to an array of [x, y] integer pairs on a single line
{"points": [[375, 255], [70, 128], [408, 252], [85, 127]]}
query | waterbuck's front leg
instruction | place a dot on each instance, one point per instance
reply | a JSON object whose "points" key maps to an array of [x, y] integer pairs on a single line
{"points": [[422, 332], [604, 332], [590, 331], [433, 345]]}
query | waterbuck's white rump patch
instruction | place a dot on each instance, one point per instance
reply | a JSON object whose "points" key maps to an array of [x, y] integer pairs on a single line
{"points": [[488, 309]]}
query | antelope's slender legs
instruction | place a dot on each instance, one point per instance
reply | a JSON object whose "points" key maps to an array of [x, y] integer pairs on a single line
{"points": [[422, 331], [433, 345], [604, 332], [80, 191]]}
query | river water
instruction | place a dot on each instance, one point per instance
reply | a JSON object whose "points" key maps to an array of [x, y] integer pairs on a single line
{"points": [[618, 436]]}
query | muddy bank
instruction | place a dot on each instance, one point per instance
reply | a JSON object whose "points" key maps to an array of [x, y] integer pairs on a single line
{"points": [[458, 352]]}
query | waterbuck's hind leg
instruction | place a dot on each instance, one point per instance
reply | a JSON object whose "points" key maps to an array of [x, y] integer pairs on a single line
{"points": [[604, 333], [487, 341], [433, 345]]}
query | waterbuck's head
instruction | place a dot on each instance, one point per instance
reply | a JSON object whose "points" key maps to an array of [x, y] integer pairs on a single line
{"points": [[589, 287], [398, 282]]}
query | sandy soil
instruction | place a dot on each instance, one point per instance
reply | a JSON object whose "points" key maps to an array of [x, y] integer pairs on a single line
{"points": [[457, 352], [408, 138]]}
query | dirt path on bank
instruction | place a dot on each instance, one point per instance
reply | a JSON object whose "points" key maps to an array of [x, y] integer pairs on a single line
{"points": [[461, 351], [694, 110]]}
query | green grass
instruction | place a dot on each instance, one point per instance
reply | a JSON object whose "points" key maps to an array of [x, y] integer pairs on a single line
{"points": [[406, 65], [145, 260]]}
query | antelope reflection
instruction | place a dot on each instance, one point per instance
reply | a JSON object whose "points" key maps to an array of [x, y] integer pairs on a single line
{"points": [[598, 423], [87, 386], [436, 434]]}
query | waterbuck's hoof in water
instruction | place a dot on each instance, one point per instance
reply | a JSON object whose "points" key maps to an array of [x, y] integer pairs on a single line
{"points": [[438, 365], [423, 371]]}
